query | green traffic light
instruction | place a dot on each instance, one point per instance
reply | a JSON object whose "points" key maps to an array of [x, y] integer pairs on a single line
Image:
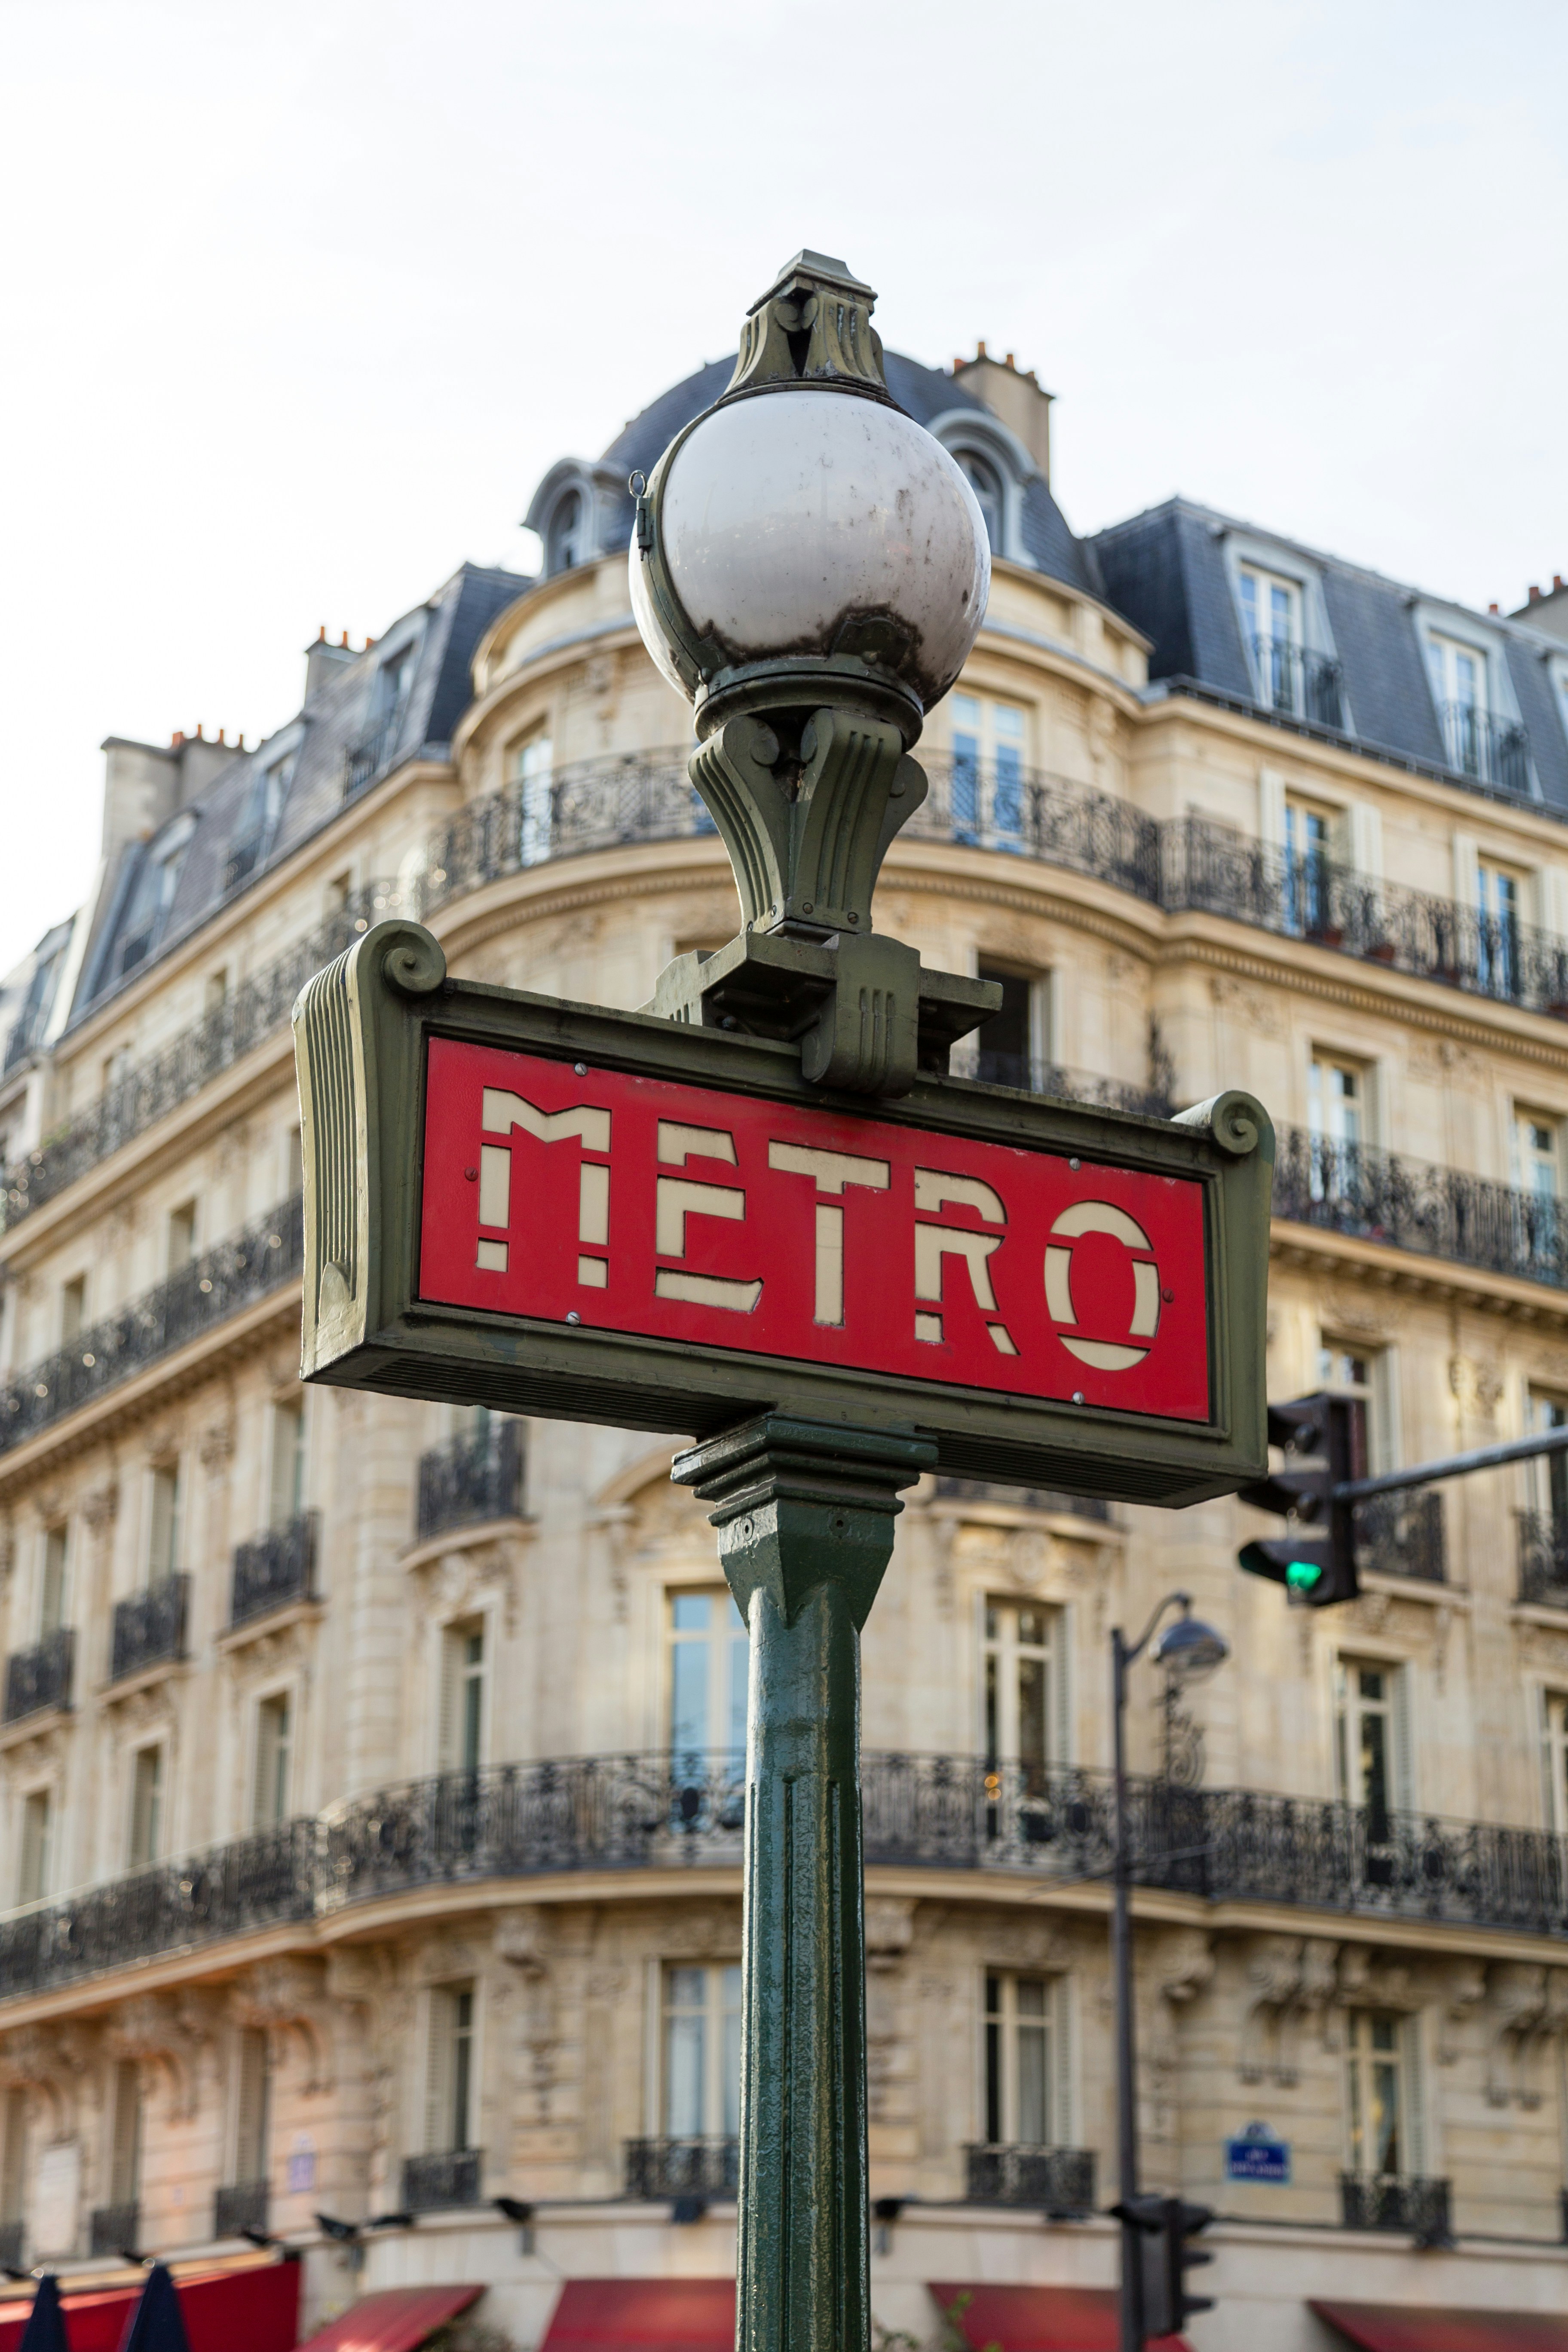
{"points": [[1302, 1575]]}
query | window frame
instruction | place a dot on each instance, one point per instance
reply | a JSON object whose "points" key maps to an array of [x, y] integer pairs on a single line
{"points": [[999, 2031], [719, 2014], [1405, 2055], [448, 2037], [728, 1643], [155, 1840]]}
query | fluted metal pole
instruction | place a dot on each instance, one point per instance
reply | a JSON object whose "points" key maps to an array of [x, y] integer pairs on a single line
{"points": [[804, 1512]]}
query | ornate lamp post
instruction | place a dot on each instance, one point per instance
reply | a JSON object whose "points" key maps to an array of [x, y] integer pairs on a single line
{"points": [[811, 569], [1188, 1650]]}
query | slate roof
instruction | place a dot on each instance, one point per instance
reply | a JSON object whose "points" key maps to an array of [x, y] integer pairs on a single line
{"points": [[345, 718], [1166, 571], [923, 392]]}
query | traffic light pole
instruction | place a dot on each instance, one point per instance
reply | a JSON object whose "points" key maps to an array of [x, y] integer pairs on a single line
{"points": [[1132, 2305], [1455, 1465]]}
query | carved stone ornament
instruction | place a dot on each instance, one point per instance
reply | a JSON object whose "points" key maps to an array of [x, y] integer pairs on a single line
{"points": [[284, 1999], [1479, 1386], [1287, 1978]]}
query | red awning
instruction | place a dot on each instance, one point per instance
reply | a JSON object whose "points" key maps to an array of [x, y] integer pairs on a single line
{"points": [[256, 2309], [643, 2315], [1407, 2327], [1040, 2318], [398, 2319]]}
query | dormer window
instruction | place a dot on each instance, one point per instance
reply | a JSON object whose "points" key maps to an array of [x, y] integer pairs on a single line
{"points": [[564, 540], [986, 484], [1289, 673], [1479, 738], [397, 677]]}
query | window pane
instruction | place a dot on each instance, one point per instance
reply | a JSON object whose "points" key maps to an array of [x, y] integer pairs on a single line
{"points": [[1033, 2101], [1032, 1742], [683, 2075], [688, 1697], [689, 1613]]}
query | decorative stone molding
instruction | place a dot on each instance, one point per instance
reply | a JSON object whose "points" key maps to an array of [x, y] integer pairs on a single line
{"points": [[214, 1448], [162, 2031], [1477, 1386], [283, 1998], [1287, 1978], [49, 2062], [100, 1507], [1528, 2007], [1465, 1989]]}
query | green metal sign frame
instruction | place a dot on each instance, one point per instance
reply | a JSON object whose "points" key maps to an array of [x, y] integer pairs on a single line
{"points": [[364, 1027]]}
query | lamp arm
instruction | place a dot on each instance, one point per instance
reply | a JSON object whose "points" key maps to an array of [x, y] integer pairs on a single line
{"points": [[1131, 1651]]}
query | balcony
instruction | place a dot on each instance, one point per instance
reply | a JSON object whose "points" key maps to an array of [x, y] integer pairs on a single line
{"points": [[40, 1678], [240, 2205], [470, 1480], [1543, 1559], [112, 2227], [205, 1293], [150, 1628], [1056, 2181], [371, 756], [661, 2169], [1401, 1535], [1480, 744], [448, 2178], [1294, 679], [1412, 1204], [273, 1570], [1405, 2206], [971, 1060]]}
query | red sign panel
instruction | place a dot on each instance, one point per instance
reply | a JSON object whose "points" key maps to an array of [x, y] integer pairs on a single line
{"points": [[625, 1203]]}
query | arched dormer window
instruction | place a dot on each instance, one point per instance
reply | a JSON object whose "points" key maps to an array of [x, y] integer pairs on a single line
{"points": [[985, 483], [564, 540]]}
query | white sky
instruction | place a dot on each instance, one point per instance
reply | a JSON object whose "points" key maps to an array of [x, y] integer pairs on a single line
{"points": [[299, 300]]}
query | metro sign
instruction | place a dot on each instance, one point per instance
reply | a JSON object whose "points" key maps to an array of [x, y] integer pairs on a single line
{"points": [[562, 1210]]}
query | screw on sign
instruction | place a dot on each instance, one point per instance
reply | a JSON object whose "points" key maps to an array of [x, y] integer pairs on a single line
{"points": [[631, 1204]]}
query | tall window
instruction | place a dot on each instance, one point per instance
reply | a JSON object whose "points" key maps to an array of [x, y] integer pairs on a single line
{"points": [[987, 740], [252, 2106], [1020, 1636], [1306, 844], [274, 1748], [164, 1527], [1367, 1375], [1368, 1739], [701, 2075], [707, 1667], [1460, 686], [13, 2154], [285, 1498], [1498, 905], [564, 540], [463, 1696], [532, 765], [146, 1805], [1336, 1121], [1536, 1171], [1375, 2095], [1554, 1759], [1020, 2059], [125, 2134], [986, 484], [1547, 1474], [1271, 624], [397, 677], [73, 1308], [52, 1580], [1004, 1052], [37, 1846], [450, 2082], [182, 1236]]}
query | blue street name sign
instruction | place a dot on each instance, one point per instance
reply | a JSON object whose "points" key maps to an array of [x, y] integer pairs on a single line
{"points": [[1256, 2154]]}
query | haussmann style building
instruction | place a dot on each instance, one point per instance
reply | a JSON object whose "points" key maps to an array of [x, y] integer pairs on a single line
{"points": [[370, 1792]]}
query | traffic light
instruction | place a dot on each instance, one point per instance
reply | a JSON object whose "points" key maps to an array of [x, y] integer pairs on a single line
{"points": [[1323, 1441], [1164, 2225]]}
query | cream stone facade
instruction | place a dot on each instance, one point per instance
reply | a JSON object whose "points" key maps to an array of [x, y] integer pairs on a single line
{"points": [[369, 1811]]}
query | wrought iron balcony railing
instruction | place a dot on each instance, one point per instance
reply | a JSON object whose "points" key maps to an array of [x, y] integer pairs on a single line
{"points": [[660, 2168], [1543, 1559], [41, 1677], [471, 1480], [111, 2228], [1406, 2204], [1401, 1535], [149, 1627], [439, 2180], [671, 1813], [1059, 2182], [207, 1292], [371, 756], [1293, 678], [1036, 1077], [239, 2205], [257, 1009], [1412, 1204], [1479, 743], [993, 804], [273, 1570]]}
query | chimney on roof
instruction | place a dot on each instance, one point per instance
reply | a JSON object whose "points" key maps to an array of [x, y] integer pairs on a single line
{"points": [[1557, 584], [323, 661], [1492, 609], [1014, 397], [1534, 594]]}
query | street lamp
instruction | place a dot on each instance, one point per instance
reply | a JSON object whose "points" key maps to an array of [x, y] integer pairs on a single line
{"points": [[810, 569], [1188, 1650]]}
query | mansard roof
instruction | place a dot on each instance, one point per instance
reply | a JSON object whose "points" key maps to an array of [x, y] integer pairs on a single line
{"points": [[265, 803], [1172, 570]]}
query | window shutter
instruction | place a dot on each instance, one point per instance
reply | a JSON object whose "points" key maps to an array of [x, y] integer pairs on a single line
{"points": [[288, 1463], [1415, 2151], [1063, 1743], [1551, 898], [1365, 839], [251, 2086], [271, 1731], [1270, 807], [1064, 2064], [451, 1692], [1385, 1435], [1467, 870], [14, 2161], [1404, 1790], [439, 2072], [125, 2153]]}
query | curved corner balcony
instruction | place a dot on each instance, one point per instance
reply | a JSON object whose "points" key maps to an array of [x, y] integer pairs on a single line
{"points": [[1050, 1826], [1414, 1205]]}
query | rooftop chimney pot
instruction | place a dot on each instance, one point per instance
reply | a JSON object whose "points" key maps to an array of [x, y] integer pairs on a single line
{"points": [[980, 348], [1557, 584], [344, 639], [1534, 594], [322, 635], [1491, 608]]}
